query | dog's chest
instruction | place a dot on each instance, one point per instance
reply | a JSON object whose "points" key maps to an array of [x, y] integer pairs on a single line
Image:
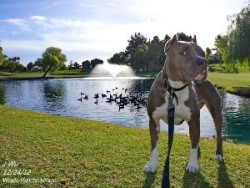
{"points": [[182, 112]]}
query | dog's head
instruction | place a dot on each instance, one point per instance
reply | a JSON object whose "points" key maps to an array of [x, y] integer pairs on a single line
{"points": [[185, 61]]}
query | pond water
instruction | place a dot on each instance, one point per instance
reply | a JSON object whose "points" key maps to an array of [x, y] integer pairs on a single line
{"points": [[62, 97]]}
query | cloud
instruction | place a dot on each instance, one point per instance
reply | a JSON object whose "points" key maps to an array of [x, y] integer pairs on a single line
{"points": [[20, 23], [38, 19]]}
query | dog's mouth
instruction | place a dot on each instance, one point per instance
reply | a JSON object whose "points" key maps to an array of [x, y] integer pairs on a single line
{"points": [[201, 77]]}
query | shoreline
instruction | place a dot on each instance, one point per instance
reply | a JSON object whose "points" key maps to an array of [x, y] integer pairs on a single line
{"points": [[243, 91]]}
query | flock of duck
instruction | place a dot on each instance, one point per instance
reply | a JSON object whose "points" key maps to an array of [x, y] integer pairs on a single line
{"points": [[138, 100]]}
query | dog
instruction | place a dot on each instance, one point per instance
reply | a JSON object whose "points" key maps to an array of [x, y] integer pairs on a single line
{"points": [[185, 68]]}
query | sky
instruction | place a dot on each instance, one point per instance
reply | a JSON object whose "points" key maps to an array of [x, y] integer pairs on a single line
{"points": [[88, 29]]}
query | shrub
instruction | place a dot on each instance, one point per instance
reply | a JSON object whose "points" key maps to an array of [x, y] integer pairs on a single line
{"points": [[237, 67], [217, 68]]}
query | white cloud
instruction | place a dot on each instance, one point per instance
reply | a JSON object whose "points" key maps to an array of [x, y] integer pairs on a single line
{"points": [[21, 23], [40, 20]]}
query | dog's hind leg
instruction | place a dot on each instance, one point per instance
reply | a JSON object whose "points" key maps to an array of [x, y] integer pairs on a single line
{"points": [[154, 128]]}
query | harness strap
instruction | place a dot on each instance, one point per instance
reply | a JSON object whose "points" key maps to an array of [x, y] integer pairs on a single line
{"points": [[171, 111], [172, 90], [166, 174]]}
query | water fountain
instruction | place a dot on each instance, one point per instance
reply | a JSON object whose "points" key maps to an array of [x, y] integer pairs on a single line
{"points": [[112, 70]]}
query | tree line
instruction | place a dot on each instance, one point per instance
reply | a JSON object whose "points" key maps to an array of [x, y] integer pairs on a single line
{"points": [[234, 46], [144, 54], [10, 64], [141, 54], [52, 59]]}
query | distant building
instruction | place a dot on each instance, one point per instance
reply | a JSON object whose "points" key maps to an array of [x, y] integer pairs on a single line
{"points": [[215, 57], [36, 69]]}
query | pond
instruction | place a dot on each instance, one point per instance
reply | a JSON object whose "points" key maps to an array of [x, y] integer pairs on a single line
{"points": [[75, 98]]}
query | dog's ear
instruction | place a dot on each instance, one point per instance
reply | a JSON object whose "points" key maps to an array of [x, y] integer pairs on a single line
{"points": [[170, 42], [194, 40]]}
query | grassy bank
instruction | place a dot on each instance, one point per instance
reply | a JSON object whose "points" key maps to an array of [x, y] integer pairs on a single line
{"points": [[79, 153], [233, 83], [57, 74]]}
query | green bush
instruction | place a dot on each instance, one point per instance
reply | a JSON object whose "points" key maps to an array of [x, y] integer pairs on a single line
{"points": [[216, 68], [237, 67], [242, 67]]}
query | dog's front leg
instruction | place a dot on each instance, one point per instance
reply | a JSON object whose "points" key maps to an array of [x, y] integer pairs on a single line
{"points": [[154, 129], [194, 131]]}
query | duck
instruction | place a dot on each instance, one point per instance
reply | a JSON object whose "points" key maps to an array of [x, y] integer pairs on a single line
{"points": [[104, 95], [96, 102], [80, 99], [96, 96]]}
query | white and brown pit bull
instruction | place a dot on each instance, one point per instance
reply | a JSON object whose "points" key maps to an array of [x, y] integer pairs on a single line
{"points": [[185, 65]]}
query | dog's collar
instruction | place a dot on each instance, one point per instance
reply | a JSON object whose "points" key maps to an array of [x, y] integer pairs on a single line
{"points": [[172, 90]]}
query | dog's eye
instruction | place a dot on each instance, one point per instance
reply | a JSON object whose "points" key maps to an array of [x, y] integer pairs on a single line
{"points": [[183, 53]]}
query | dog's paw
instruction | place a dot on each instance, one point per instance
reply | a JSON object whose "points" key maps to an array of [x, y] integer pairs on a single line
{"points": [[192, 168], [219, 157], [193, 165], [153, 161], [150, 167]]}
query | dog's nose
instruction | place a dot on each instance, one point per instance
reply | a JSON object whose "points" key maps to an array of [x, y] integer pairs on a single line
{"points": [[201, 61]]}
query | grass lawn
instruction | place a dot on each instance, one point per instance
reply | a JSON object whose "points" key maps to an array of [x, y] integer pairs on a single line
{"points": [[57, 74], [233, 83], [21, 75], [79, 153]]}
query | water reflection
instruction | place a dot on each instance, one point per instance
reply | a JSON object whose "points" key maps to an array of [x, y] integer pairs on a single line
{"points": [[54, 93], [236, 113], [59, 96], [2, 94]]}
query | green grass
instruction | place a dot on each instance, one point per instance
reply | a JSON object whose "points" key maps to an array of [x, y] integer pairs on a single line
{"points": [[233, 83], [5, 74], [57, 74], [81, 153], [74, 72]]}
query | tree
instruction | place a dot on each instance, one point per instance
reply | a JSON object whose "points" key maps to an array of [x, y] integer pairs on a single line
{"points": [[76, 65], [140, 58], [221, 42], [29, 66], [70, 67], [154, 51], [137, 39], [1, 56], [38, 62], [52, 59], [130, 52], [235, 46], [183, 37], [118, 58], [239, 34], [12, 65], [86, 65], [95, 62], [208, 53], [162, 56]]}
